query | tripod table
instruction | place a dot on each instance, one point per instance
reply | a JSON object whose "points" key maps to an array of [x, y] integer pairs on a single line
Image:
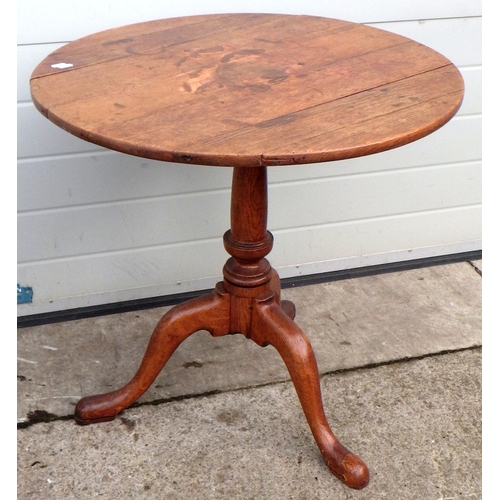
{"points": [[247, 91]]}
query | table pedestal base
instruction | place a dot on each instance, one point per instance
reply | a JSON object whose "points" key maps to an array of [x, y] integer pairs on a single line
{"points": [[248, 301]]}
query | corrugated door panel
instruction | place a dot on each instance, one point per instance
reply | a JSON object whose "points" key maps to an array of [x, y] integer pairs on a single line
{"points": [[64, 21]]}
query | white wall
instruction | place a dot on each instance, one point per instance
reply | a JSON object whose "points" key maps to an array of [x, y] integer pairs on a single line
{"points": [[98, 227]]}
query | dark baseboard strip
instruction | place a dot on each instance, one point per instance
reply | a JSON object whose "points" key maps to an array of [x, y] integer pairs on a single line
{"points": [[390, 267], [170, 300]]}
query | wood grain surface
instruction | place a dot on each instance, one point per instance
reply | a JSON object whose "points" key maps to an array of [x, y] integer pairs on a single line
{"points": [[247, 89]]}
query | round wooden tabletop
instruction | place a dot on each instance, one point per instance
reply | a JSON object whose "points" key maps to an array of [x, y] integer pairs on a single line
{"points": [[247, 89]]}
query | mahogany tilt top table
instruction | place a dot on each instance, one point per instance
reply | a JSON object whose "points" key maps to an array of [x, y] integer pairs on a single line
{"points": [[247, 91]]}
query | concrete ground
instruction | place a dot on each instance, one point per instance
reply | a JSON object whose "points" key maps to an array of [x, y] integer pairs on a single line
{"points": [[400, 359]]}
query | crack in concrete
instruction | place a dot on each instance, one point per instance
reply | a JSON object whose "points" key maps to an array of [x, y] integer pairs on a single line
{"points": [[40, 414], [478, 271]]}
